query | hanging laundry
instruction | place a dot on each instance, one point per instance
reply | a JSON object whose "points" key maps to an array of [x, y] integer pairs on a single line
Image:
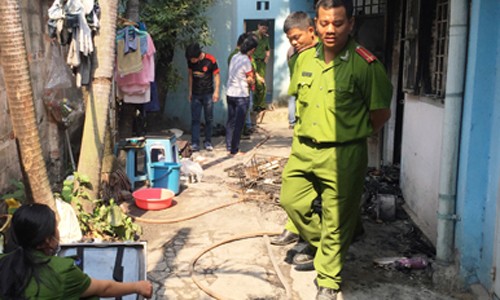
{"points": [[129, 58], [74, 23], [135, 87], [154, 104]]}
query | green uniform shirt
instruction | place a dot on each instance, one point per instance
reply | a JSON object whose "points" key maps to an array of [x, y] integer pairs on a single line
{"points": [[60, 280], [291, 62], [334, 100], [254, 64], [293, 58], [262, 46]]}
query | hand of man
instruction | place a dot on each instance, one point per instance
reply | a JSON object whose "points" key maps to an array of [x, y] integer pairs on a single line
{"points": [[378, 118], [215, 97], [261, 79]]}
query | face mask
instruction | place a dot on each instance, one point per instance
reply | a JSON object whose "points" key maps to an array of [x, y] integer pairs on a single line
{"points": [[56, 250]]}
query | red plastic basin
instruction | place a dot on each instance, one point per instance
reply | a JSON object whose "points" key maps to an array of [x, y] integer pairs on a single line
{"points": [[153, 198]]}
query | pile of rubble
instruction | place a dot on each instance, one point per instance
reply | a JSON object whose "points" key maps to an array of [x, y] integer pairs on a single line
{"points": [[260, 177], [382, 198]]}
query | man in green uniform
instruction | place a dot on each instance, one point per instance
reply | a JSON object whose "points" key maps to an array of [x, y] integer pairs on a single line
{"points": [[261, 56], [343, 96], [299, 30]]}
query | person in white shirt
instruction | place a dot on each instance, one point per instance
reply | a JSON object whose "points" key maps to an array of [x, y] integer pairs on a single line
{"points": [[241, 78]]}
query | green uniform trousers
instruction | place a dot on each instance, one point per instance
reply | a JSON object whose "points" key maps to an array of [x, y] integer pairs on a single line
{"points": [[259, 96], [291, 227], [337, 174]]}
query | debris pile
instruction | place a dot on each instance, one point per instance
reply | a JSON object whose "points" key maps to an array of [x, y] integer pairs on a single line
{"points": [[382, 197], [383, 203], [402, 263], [260, 177]]}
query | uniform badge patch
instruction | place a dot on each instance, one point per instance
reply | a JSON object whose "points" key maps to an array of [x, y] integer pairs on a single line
{"points": [[307, 74], [365, 54]]}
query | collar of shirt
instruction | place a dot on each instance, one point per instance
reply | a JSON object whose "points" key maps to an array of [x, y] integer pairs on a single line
{"points": [[344, 55]]}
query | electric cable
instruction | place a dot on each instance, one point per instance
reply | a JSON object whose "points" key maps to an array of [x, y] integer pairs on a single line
{"points": [[264, 234], [211, 292]]}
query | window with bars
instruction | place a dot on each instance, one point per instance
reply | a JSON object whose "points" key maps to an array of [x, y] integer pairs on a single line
{"points": [[440, 49], [262, 5], [369, 7], [426, 48]]}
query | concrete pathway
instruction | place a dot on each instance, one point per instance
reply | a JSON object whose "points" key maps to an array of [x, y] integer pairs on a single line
{"points": [[244, 268]]}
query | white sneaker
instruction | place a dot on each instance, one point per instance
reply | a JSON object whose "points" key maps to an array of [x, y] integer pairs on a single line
{"points": [[208, 146]]}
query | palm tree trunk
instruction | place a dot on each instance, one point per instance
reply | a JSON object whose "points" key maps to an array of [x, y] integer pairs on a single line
{"points": [[16, 72], [96, 114], [133, 10]]}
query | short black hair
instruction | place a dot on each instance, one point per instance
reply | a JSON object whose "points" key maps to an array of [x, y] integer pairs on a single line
{"points": [[297, 19], [327, 4], [241, 38], [248, 44], [263, 23], [193, 51]]}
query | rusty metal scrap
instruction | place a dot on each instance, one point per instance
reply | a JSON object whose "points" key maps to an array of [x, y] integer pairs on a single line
{"points": [[260, 175]]}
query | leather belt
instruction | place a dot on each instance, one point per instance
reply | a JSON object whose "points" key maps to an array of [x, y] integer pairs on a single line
{"points": [[315, 143]]}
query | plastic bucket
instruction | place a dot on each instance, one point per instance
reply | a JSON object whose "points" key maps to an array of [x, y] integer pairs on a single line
{"points": [[166, 175]]}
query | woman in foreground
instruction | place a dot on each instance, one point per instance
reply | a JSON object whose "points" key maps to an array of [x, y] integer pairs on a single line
{"points": [[32, 271]]}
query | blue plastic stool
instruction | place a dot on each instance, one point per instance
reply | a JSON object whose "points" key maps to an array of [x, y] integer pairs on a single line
{"points": [[154, 149], [133, 150], [160, 149]]}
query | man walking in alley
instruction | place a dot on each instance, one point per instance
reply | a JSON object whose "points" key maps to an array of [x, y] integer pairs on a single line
{"points": [[299, 30], [203, 91], [343, 96], [261, 57]]}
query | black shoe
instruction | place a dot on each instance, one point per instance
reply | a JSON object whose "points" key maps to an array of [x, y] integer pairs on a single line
{"points": [[285, 238], [325, 293], [306, 257], [303, 258], [309, 266]]}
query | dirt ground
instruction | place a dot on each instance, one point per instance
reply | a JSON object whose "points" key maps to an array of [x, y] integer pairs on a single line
{"points": [[200, 250]]}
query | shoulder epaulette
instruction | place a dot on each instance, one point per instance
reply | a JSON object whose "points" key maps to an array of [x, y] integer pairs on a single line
{"points": [[365, 54]]}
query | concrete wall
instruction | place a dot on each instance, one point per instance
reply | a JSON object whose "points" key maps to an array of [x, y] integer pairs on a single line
{"points": [[9, 163], [34, 16], [227, 23], [420, 162], [479, 161], [177, 109], [278, 12]]}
